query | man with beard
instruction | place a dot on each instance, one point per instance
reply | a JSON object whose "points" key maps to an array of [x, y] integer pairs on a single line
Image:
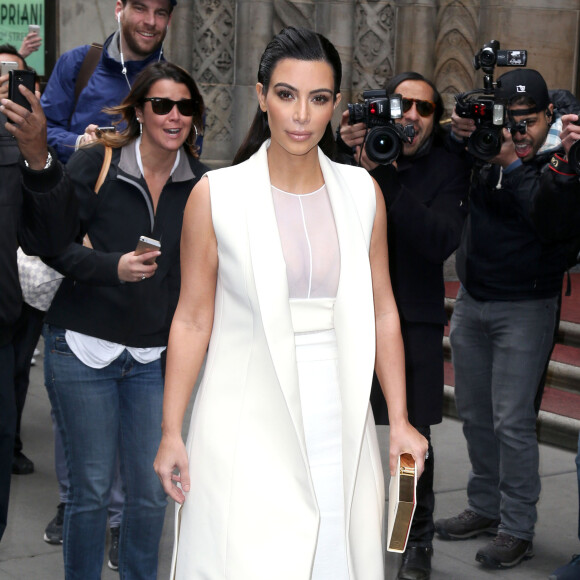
{"points": [[503, 324], [425, 191], [74, 117]]}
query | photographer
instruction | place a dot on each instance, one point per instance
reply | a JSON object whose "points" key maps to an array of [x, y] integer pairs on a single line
{"points": [[425, 191], [502, 329]]}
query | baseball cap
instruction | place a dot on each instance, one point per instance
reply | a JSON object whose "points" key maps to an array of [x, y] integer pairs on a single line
{"points": [[523, 82]]}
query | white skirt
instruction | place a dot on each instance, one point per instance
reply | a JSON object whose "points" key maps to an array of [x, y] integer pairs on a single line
{"points": [[317, 358]]}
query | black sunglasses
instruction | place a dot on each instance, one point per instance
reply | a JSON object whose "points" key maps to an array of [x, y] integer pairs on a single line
{"points": [[424, 108], [163, 106]]}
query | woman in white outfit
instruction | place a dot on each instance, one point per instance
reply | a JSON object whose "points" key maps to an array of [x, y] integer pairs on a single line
{"points": [[285, 276]]}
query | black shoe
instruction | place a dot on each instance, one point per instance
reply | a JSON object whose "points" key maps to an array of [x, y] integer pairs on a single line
{"points": [[467, 524], [114, 549], [53, 532], [21, 465], [505, 551], [416, 564], [570, 571]]}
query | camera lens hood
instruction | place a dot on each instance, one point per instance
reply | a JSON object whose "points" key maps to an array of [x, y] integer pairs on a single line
{"points": [[383, 144], [485, 142]]}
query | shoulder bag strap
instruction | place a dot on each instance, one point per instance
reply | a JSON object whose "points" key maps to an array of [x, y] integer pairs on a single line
{"points": [[87, 69], [100, 181], [104, 168]]}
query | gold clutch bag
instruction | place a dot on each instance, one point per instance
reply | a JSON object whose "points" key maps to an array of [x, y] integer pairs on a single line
{"points": [[402, 503]]}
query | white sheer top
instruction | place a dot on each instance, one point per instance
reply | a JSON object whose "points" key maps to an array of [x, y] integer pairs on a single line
{"points": [[309, 243]]}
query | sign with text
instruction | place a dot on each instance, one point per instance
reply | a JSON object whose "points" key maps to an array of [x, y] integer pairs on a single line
{"points": [[15, 18]]}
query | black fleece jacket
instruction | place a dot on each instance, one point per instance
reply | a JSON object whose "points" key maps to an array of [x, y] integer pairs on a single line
{"points": [[502, 255], [426, 199], [92, 300]]}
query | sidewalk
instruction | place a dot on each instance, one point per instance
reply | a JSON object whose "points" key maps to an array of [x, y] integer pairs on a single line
{"points": [[25, 556]]}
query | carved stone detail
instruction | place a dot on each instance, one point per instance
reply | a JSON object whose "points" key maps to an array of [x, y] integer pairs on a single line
{"points": [[457, 25], [287, 13], [374, 54], [213, 64]]}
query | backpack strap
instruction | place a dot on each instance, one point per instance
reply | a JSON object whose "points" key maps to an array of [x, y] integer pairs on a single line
{"points": [[100, 181], [104, 168], [87, 69]]}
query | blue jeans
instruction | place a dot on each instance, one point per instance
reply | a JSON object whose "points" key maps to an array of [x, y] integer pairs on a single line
{"points": [[117, 497], [500, 350], [100, 412]]}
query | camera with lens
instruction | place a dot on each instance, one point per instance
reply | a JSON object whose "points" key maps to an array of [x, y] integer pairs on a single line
{"points": [[481, 104], [385, 138]]}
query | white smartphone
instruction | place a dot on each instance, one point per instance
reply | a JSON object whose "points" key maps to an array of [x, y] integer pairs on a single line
{"points": [[145, 245], [6, 66], [34, 28]]}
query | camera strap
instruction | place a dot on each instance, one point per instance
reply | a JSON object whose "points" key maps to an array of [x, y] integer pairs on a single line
{"points": [[521, 112]]}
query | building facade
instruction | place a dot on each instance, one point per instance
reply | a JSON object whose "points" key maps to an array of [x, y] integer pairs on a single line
{"points": [[220, 43]]}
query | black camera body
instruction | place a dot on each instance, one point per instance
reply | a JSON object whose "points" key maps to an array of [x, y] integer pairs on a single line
{"points": [[481, 105], [490, 56], [378, 112], [489, 116]]}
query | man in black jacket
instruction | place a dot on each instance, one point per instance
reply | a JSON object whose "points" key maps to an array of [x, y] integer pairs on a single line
{"points": [[502, 329], [39, 213], [425, 192]]}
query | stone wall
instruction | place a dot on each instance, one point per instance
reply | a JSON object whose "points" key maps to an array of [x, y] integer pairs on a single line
{"points": [[220, 42]]}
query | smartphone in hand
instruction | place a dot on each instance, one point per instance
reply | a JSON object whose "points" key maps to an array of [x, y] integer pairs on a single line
{"points": [[7, 65], [17, 78], [145, 245], [100, 130]]}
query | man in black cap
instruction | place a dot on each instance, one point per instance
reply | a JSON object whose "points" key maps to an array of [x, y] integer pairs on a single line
{"points": [[502, 329]]}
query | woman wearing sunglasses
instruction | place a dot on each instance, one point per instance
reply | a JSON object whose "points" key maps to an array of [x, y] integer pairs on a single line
{"points": [[109, 322]]}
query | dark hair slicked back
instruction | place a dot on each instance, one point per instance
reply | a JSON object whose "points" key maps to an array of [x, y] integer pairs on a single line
{"points": [[299, 44]]}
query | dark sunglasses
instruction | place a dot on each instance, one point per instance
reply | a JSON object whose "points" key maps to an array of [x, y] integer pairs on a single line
{"points": [[424, 108], [163, 106]]}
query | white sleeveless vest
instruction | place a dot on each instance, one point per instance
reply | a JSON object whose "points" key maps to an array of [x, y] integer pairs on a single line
{"points": [[251, 513]]}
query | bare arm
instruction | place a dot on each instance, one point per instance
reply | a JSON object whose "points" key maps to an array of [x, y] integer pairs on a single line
{"points": [[189, 335], [390, 360], [31, 43]]}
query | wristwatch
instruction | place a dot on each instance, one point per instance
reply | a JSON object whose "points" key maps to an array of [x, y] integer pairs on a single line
{"points": [[48, 162]]}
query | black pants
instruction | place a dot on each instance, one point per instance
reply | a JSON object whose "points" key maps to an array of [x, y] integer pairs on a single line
{"points": [[7, 428], [423, 527], [26, 334], [424, 380]]}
